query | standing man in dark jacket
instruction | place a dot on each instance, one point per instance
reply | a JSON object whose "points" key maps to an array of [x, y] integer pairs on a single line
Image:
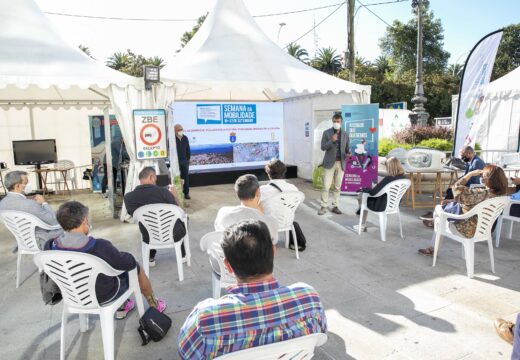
{"points": [[183, 155], [335, 143]]}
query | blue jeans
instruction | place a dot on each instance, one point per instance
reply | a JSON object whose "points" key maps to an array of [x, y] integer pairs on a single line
{"points": [[516, 340]]}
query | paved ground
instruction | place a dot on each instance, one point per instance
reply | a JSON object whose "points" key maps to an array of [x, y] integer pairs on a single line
{"points": [[383, 300]]}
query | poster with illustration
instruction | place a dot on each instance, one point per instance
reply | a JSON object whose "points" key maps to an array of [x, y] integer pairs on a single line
{"points": [[361, 122]]}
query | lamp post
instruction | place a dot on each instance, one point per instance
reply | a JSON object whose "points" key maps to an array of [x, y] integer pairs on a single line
{"points": [[419, 116], [282, 24]]}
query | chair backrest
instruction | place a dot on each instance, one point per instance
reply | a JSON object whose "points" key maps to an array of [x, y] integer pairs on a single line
{"points": [[283, 206], [75, 273], [212, 244], [159, 220], [487, 211], [394, 192], [23, 226], [295, 349]]}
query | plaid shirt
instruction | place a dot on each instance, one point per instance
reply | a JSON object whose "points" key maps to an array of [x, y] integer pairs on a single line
{"points": [[253, 314]]}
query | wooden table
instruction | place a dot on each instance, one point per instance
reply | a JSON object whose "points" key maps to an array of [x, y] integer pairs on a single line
{"points": [[44, 173], [416, 182]]}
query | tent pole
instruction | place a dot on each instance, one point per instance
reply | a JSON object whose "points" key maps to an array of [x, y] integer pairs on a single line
{"points": [[108, 155], [31, 120]]}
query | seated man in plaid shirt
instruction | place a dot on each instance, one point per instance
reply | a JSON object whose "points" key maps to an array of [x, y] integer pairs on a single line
{"points": [[257, 311]]}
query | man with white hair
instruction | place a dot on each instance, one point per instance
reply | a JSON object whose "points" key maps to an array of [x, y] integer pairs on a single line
{"points": [[18, 186]]}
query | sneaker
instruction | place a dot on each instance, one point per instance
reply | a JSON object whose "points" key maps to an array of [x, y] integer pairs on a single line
{"points": [[426, 251], [128, 306], [336, 210], [504, 329], [151, 262], [428, 223], [427, 216], [363, 228], [322, 210], [161, 305], [187, 197]]}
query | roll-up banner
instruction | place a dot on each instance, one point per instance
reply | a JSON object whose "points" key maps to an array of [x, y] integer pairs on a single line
{"points": [[476, 75], [361, 122]]}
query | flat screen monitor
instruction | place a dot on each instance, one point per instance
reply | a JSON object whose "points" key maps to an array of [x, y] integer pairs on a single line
{"points": [[35, 152]]}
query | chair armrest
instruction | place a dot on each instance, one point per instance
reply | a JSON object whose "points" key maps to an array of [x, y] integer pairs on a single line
{"points": [[507, 209]]}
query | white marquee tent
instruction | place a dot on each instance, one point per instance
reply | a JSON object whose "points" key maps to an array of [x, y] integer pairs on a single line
{"points": [[499, 114], [42, 78], [231, 59]]}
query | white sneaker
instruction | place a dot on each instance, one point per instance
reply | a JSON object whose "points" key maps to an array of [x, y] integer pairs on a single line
{"points": [[152, 262]]}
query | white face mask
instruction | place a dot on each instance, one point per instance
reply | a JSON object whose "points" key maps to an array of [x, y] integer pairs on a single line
{"points": [[180, 133], [336, 126], [28, 188]]}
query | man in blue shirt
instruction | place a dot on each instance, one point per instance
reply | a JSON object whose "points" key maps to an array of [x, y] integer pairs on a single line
{"points": [[473, 162]]}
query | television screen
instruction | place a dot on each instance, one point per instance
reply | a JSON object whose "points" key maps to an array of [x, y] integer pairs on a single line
{"points": [[34, 152]]}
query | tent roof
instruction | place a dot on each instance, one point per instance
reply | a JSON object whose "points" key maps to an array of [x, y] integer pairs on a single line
{"points": [[35, 58], [230, 58], [508, 84]]}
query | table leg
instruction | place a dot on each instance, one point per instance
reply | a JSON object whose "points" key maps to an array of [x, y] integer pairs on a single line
{"points": [[65, 185], [44, 181], [437, 188], [412, 176]]}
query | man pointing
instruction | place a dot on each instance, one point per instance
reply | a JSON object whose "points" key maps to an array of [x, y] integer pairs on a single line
{"points": [[335, 143]]}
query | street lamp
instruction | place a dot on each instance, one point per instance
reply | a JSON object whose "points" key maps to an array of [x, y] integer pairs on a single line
{"points": [[419, 116], [282, 24]]}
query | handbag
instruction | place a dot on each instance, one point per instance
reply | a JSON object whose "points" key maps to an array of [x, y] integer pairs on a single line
{"points": [[302, 242], [153, 325]]}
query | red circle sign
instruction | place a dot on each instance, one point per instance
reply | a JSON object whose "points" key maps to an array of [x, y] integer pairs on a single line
{"points": [[142, 134]]}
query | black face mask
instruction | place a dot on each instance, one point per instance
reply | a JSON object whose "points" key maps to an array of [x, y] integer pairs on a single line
{"points": [[464, 158]]}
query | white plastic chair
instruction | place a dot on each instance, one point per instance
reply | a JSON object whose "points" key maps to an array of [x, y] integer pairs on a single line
{"points": [[23, 226], [70, 168], [283, 207], [295, 349], [394, 193], [75, 274], [159, 220], [487, 212], [220, 276], [506, 215]]}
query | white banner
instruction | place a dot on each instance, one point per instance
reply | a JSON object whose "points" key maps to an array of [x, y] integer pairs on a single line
{"points": [[150, 134], [477, 73], [227, 135]]}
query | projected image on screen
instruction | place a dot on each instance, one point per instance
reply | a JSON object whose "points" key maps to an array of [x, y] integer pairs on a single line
{"points": [[211, 154], [251, 152]]}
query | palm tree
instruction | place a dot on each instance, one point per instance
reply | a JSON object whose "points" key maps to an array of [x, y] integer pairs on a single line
{"points": [[86, 50], [118, 61], [155, 61], [327, 60], [298, 52], [382, 65], [456, 69]]}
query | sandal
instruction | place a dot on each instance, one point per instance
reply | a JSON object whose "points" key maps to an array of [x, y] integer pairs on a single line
{"points": [[426, 252]]}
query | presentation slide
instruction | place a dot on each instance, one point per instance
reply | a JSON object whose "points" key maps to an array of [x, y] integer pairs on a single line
{"points": [[227, 135]]}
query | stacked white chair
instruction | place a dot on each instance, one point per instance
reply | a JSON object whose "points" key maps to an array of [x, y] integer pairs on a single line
{"points": [[220, 276], [283, 207], [394, 193], [75, 274], [506, 215], [159, 220], [301, 348], [487, 212], [70, 169], [23, 226]]}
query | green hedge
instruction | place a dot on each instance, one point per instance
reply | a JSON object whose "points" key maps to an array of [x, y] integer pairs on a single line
{"points": [[437, 144], [386, 145]]}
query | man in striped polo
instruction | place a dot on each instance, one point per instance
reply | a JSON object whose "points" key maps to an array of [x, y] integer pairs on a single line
{"points": [[257, 311]]}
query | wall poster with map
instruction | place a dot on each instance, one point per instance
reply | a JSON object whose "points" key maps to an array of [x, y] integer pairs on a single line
{"points": [[234, 134]]}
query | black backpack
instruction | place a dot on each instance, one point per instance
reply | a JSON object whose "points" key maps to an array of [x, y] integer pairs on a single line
{"points": [[153, 325]]}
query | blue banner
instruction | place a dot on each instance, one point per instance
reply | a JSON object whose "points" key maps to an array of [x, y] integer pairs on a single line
{"points": [[361, 122], [227, 114]]}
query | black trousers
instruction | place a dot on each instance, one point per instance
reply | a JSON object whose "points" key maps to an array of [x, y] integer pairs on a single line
{"points": [[184, 167], [104, 182]]}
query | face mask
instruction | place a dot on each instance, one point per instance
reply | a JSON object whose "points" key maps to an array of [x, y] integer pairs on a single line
{"points": [[464, 158], [336, 126], [180, 133], [28, 188]]}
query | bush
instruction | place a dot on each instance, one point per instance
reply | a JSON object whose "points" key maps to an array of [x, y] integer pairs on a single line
{"points": [[386, 145], [437, 144], [421, 133]]}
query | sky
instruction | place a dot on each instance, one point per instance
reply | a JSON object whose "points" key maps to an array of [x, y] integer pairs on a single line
{"points": [[464, 22]]}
